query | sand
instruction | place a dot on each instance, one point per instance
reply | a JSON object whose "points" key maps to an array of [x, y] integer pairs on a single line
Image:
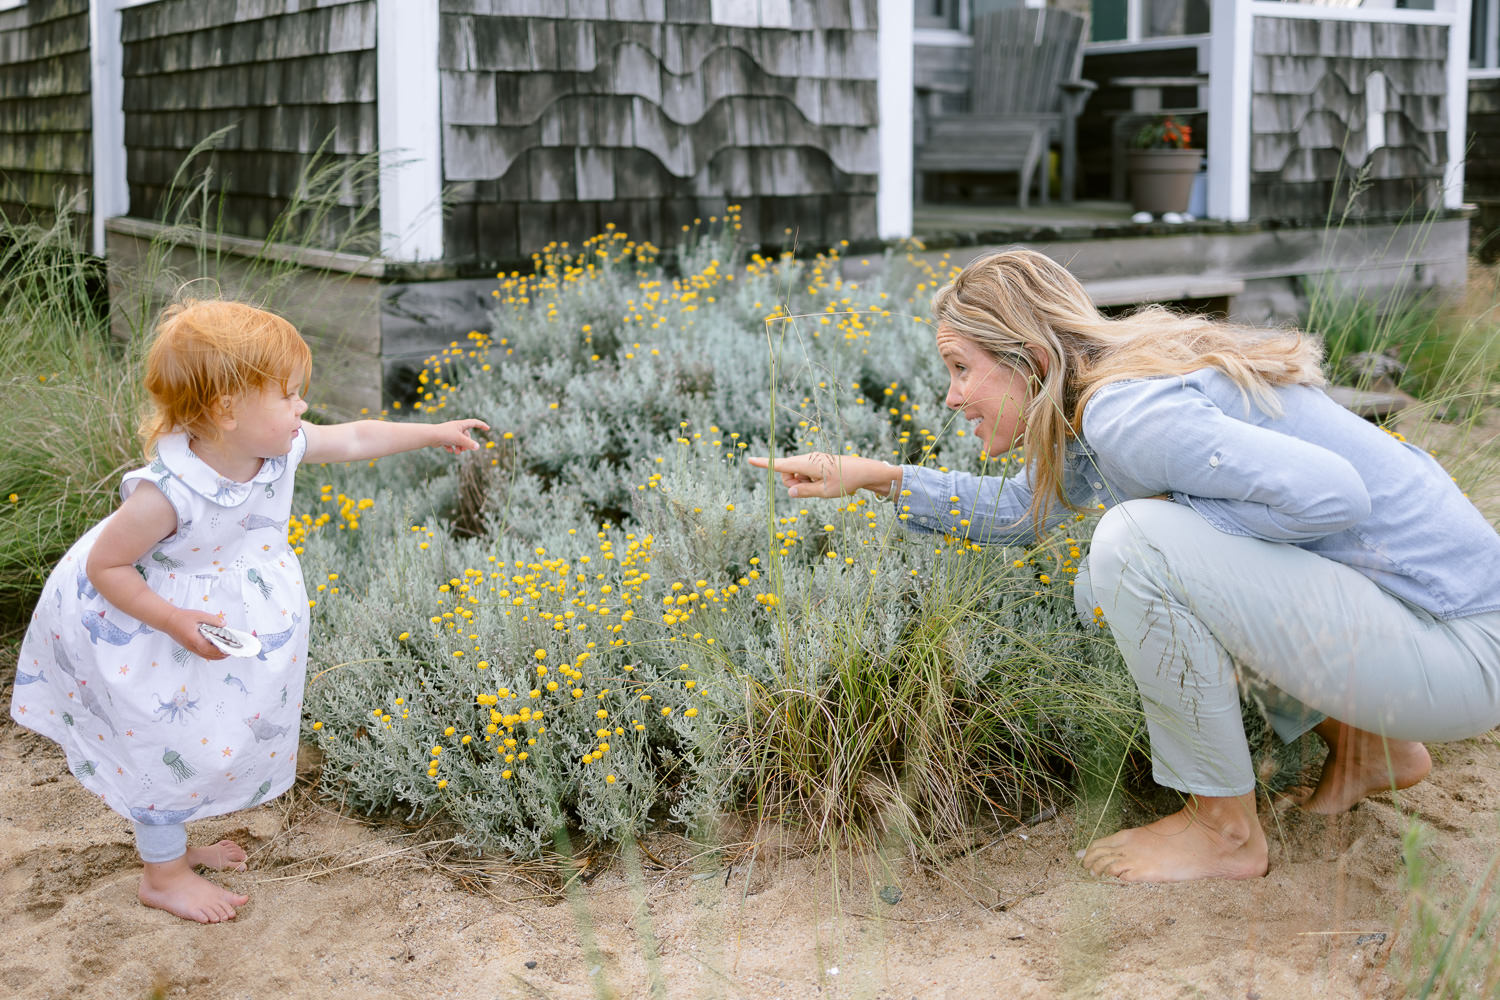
{"points": [[343, 907]]}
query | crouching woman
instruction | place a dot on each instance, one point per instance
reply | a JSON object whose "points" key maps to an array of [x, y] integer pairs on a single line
{"points": [[1256, 534]]}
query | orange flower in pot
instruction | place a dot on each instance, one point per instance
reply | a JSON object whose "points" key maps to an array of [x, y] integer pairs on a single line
{"points": [[1161, 166]]}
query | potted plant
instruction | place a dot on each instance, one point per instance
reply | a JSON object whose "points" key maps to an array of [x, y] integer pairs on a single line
{"points": [[1161, 166]]}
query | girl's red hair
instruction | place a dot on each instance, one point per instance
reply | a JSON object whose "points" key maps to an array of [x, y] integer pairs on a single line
{"points": [[207, 353]]}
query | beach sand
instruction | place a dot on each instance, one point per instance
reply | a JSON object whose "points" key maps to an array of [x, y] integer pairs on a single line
{"points": [[342, 907]]}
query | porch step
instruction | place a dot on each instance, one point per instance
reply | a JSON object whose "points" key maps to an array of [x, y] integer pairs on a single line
{"points": [[1161, 288]]}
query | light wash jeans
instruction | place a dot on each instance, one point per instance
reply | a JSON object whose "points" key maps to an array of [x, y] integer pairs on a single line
{"points": [[1199, 614], [158, 842]]}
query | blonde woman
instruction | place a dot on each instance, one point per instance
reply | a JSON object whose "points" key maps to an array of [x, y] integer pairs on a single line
{"points": [[1256, 534]]}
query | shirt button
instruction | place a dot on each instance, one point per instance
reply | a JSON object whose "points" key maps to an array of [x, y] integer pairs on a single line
{"points": [[1098, 486], [1213, 462]]}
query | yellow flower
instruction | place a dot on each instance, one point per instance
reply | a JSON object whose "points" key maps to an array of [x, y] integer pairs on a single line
{"points": [[403, 636], [443, 783], [317, 725]]}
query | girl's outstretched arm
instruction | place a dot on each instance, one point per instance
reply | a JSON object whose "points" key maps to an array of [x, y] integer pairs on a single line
{"points": [[361, 440], [145, 518]]}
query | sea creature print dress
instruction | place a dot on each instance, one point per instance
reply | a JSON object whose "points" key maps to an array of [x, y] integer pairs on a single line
{"points": [[162, 735]]}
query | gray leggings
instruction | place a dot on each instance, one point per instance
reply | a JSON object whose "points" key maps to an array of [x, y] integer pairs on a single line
{"points": [[1199, 614], [156, 842]]}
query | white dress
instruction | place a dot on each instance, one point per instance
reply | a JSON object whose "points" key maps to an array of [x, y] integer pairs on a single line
{"points": [[160, 734]]}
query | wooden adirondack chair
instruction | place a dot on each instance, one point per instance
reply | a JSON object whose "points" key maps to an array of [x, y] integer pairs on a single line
{"points": [[1024, 94]]}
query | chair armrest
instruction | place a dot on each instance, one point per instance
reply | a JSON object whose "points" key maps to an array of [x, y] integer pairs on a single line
{"points": [[1076, 94]]}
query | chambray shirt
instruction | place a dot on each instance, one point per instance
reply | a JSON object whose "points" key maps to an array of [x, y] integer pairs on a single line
{"points": [[1317, 476]]}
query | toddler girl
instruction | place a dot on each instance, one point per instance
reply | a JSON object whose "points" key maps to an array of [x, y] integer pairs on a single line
{"points": [[114, 666]]}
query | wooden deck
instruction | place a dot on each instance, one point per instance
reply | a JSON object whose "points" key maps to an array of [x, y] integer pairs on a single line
{"points": [[1255, 272]]}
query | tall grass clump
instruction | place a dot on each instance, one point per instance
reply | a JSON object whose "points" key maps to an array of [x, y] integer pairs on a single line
{"points": [[607, 618], [69, 417], [1451, 948]]}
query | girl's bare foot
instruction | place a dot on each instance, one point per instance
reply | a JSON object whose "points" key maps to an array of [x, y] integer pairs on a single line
{"points": [[224, 854], [1208, 838], [174, 886], [1361, 763]]}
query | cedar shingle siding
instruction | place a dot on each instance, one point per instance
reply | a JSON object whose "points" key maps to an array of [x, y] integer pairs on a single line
{"points": [[46, 153], [291, 76], [560, 117], [1308, 118]]}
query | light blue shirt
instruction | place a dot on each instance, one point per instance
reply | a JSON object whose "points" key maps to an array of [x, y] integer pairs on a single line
{"points": [[1317, 476]]}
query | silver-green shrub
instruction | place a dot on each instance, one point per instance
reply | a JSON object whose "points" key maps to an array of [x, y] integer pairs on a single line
{"points": [[606, 617]]}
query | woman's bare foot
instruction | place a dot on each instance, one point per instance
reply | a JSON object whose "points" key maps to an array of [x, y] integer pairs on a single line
{"points": [[1361, 763], [1208, 838], [174, 886], [224, 854]]}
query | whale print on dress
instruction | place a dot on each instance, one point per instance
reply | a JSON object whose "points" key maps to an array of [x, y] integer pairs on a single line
{"points": [[265, 729], [254, 522], [272, 641], [86, 694], [168, 741], [152, 816], [98, 627], [85, 586]]}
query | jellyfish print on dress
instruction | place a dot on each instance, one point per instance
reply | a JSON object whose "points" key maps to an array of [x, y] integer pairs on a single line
{"points": [[98, 627], [265, 729], [259, 581], [152, 816], [260, 793], [165, 561], [84, 768], [179, 709], [178, 765], [272, 641]]}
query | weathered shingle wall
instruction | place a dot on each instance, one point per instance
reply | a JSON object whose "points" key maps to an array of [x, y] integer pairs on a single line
{"points": [[561, 117], [46, 153], [1309, 122], [291, 76]]}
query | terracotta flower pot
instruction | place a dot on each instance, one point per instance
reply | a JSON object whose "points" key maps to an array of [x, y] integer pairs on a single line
{"points": [[1161, 180]]}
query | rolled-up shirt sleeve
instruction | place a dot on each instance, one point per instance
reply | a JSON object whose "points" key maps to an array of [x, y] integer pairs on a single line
{"points": [[984, 509], [1166, 436]]}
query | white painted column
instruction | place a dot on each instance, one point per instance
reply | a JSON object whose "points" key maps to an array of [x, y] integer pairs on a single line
{"points": [[111, 192], [409, 116], [1458, 104], [1229, 81], [896, 36]]}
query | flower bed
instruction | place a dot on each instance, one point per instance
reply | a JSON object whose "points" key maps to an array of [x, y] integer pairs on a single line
{"points": [[606, 616]]}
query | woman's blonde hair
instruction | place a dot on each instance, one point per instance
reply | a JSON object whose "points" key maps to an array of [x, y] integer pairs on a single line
{"points": [[208, 352], [1026, 311]]}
